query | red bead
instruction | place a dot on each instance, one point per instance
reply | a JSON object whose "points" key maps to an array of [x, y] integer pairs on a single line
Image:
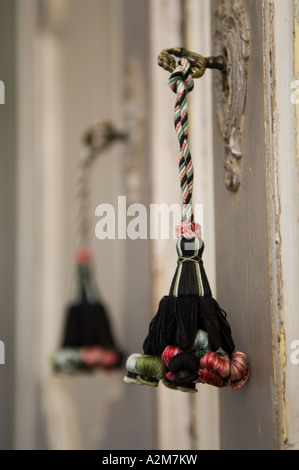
{"points": [[207, 377], [170, 376], [214, 362], [169, 352]]}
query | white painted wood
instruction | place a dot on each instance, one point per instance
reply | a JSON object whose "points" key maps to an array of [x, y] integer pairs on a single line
{"points": [[74, 412], [284, 208], [26, 263], [185, 422], [198, 37], [58, 405], [173, 409], [263, 292]]}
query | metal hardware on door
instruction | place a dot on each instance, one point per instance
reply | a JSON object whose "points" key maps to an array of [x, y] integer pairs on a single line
{"points": [[198, 63], [232, 38], [231, 55], [97, 138], [99, 135]]}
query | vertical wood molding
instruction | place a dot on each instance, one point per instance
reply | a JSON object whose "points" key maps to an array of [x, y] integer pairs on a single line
{"points": [[76, 409], [173, 411], [25, 390], [57, 99], [58, 406], [8, 210], [281, 68], [242, 257], [198, 37], [194, 418]]}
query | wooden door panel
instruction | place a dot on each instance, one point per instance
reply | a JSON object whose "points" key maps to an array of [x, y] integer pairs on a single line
{"points": [[242, 263]]}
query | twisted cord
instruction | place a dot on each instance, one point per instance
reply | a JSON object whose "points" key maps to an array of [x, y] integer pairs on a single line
{"points": [[82, 196], [181, 83]]}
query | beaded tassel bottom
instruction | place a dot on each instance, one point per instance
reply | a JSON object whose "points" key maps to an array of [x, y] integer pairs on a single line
{"points": [[189, 339]]}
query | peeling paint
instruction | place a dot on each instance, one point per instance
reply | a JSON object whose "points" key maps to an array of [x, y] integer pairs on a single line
{"points": [[282, 363], [272, 127]]}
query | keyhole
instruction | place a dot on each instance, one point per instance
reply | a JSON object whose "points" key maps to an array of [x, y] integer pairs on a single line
{"points": [[225, 73]]}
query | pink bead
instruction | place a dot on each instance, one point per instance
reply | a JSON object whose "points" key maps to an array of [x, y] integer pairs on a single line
{"points": [[95, 357], [83, 256], [188, 230], [92, 356], [168, 353]]}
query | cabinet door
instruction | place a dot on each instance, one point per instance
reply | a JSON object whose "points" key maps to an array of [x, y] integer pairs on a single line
{"points": [[254, 227], [8, 185]]}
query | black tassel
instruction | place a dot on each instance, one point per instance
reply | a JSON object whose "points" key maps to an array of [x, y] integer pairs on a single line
{"points": [[87, 325], [188, 325], [180, 317], [88, 341]]}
